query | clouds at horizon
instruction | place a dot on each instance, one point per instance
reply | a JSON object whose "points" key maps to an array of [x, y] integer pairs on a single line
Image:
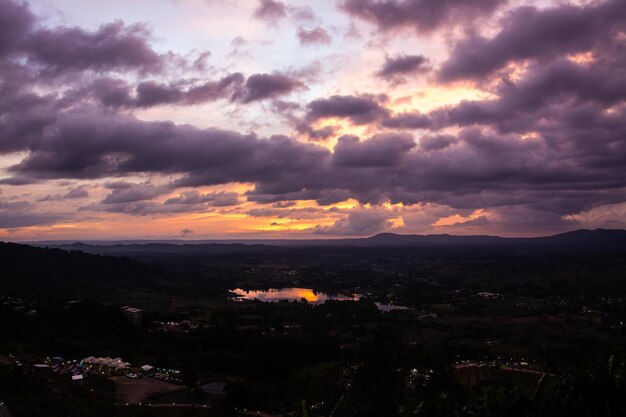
{"points": [[94, 130]]}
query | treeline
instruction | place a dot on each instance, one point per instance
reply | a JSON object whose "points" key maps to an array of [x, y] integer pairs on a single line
{"points": [[37, 271]]}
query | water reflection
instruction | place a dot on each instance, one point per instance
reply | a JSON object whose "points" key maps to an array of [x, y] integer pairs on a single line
{"points": [[293, 294], [309, 294]]}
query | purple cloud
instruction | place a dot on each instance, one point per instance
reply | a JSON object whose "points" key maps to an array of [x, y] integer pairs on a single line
{"points": [[378, 151], [411, 120], [423, 15], [358, 223], [264, 86], [75, 193], [16, 21], [540, 34], [313, 36], [220, 199], [117, 93], [548, 142], [270, 10], [134, 192], [112, 46], [359, 109], [395, 69], [19, 213]]}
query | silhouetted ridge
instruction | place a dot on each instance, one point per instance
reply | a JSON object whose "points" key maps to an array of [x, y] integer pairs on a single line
{"points": [[55, 271]]}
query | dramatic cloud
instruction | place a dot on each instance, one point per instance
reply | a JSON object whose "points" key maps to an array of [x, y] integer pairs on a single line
{"points": [[16, 20], [134, 192], [117, 93], [531, 33], [360, 110], [85, 145], [413, 120], [112, 46], [395, 69], [520, 128], [378, 151], [423, 15], [358, 223], [263, 86]]}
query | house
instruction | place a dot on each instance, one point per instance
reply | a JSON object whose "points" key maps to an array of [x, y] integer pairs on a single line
{"points": [[133, 314], [488, 295], [214, 388], [4, 411], [116, 363], [146, 368]]}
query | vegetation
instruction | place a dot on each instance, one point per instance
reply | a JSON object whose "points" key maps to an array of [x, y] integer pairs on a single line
{"points": [[496, 335]]}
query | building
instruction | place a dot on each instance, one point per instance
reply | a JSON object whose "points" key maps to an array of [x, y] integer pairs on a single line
{"points": [[133, 314], [116, 363], [4, 411]]}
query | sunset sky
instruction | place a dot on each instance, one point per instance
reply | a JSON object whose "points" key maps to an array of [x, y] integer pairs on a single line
{"points": [[234, 119]]}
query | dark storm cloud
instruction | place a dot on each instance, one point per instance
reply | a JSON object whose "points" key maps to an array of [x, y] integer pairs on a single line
{"points": [[531, 33], [314, 36], [378, 151], [359, 109], [270, 10], [423, 15], [396, 68]]}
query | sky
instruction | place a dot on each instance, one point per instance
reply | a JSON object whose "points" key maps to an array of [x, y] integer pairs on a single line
{"points": [[210, 119]]}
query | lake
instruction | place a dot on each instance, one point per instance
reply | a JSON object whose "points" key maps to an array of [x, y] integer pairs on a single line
{"points": [[293, 294], [309, 294]]}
